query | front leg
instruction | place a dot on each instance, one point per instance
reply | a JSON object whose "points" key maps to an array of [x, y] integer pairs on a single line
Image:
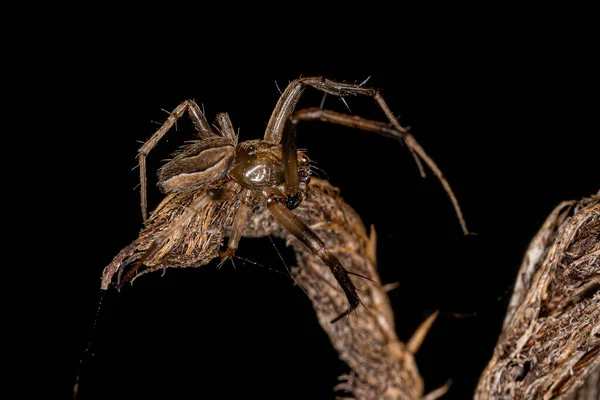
{"points": [[282, 127], [287, 102], [304, 234], [381, 128]]}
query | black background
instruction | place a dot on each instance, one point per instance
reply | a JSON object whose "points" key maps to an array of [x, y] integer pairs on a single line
{"points": [[507, 116]]}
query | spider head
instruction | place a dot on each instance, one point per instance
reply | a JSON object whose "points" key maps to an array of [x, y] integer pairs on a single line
{"points": [[259, 165]]}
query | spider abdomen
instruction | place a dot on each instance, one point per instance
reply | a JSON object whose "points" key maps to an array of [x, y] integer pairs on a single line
{"points": [[198, 164]]}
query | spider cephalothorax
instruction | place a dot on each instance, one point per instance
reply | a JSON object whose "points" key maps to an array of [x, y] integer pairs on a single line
{"points": [[259, 164], [271, 172], [254, 164]]}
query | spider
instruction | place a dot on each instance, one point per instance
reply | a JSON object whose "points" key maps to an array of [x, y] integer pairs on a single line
{"points": [[271, 172]]}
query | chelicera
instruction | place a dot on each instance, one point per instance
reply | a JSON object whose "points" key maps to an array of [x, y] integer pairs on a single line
{"points": [[271, 171]]}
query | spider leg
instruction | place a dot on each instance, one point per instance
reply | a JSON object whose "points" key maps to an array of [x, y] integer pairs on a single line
{"points": [[311, 240], [201, 126], [282, 124], [239, 221], [290, 157], [351, 121], [287, 102], [226, 127]]}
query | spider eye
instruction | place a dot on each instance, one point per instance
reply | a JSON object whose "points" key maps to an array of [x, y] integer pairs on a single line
{"points": [[302, 158], [251, 150]]}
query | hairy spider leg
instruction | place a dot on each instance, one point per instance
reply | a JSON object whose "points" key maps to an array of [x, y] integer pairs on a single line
{"points": [[290, 157], [201, 125], [311, 240], [317, 114], [239, 221], [226, 127], [288, 100], [279, 127]]}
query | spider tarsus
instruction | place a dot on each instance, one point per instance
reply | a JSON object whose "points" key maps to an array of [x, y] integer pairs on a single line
{"points": [[354, 303], [342, 315], [227, 254], [131, 273], [362, 276]]}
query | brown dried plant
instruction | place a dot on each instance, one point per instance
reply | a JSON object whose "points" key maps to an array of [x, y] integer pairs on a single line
{"points": [[549, 347]]}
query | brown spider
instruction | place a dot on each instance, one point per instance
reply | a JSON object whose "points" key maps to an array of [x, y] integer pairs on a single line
{"points": [[270, 172]]}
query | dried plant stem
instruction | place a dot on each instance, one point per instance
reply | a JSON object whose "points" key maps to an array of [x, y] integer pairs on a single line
{"points": [[549, 347], [382, 366]]}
